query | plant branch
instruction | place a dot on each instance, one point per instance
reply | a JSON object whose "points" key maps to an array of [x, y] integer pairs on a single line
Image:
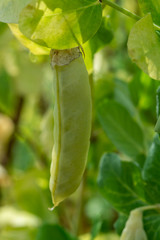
{"points": [[7, 158], [19, 133], [156, 206], [120, 9], [125, 11]]}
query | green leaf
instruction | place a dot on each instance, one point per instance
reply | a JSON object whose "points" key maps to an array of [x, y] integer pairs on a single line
{"points": [[49, 231], [151, 172], [96, 228], [61, 24], [34, 48], [121, 128], [103, 36], [151, 226], [104, 88], [18, 233], [3, 28], [120, 183], [153, 7], [143, 47], [122, 95], [120, 223], [7, 93], [135, 86], [31, 193], [23, 151], [10, 10]]}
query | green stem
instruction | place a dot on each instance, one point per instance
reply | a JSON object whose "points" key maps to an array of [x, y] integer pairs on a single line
{"points": [[156, 26], [7, 159], [120, 9], [156, 206], [125, 11]]}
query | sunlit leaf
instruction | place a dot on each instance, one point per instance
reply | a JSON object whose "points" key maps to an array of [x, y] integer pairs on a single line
{"points": [[10, 10], [32, 46], [61, 24], [24, 233], [153, 7], [144, 47]]}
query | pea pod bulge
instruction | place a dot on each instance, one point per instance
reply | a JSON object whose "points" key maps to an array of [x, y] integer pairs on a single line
{"points": [[72, 122]]}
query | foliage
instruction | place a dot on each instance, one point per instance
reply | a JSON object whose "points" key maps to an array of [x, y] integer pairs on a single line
{"points": [[124, 151]]}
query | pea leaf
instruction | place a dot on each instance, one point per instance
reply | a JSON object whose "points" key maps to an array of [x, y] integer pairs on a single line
{"points": [[10, 10], [29, 184], [7, 95], [12, 233], [61, 24], [34, 48], [151, 171], [120, 183], [121, 128], [122, 95], [143, 47], [22, 150], [152, 7], [151, 226], [135, 87], [120, 223], [103, 36], [49, 231]]}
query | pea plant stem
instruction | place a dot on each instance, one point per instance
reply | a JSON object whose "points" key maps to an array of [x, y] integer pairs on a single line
{"points": [[120, 9], [20, 133], [125, 11], [7, 159], [145, 208]]}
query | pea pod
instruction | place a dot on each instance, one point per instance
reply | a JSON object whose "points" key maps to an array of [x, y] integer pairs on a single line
{"points": [[72, 122]]}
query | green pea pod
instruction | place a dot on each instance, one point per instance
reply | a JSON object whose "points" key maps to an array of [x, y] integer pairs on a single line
{"points": [[72, 122]]}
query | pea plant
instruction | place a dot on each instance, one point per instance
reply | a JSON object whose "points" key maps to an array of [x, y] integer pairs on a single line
{"points": [[114, 107]]}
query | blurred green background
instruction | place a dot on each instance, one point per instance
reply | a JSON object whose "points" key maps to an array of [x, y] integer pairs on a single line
{"points": [[26, 134]]}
